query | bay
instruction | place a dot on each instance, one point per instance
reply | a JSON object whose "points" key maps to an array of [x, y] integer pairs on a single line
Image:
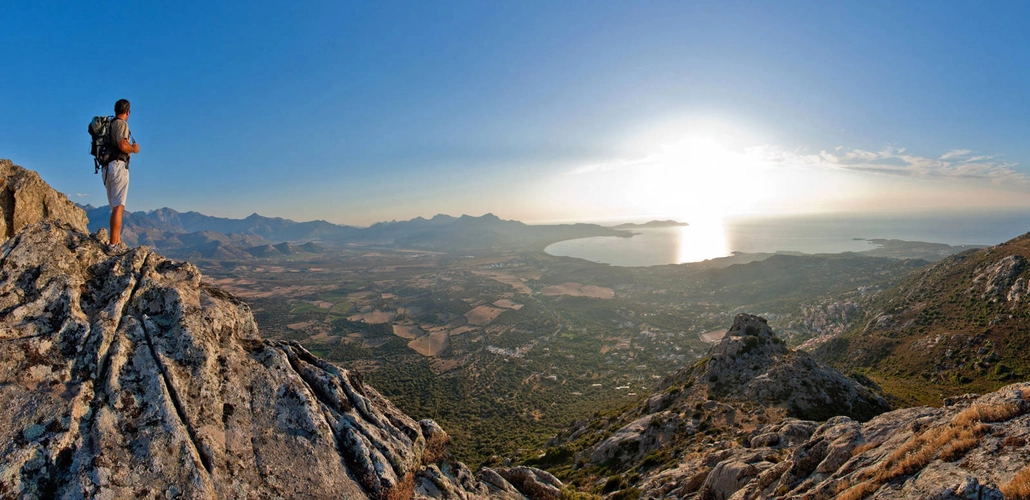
{"points": [[703, 240]]}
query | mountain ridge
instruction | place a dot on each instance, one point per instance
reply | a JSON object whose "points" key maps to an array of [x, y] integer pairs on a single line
{"points": [[163, 227]]}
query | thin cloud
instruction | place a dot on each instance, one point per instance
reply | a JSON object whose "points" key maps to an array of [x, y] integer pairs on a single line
{"points": [[960, 164], [955, 153], [81, 195], [955, 164], [616, 165]]}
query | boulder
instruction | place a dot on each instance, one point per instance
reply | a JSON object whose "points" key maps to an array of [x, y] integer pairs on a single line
{"points": [[534, 483], [25, 199]]}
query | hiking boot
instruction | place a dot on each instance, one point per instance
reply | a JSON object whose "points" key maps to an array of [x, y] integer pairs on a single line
{"points": [[117, 249]]}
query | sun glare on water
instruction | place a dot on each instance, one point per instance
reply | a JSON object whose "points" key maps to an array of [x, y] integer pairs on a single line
{"points": [[702, 240]]}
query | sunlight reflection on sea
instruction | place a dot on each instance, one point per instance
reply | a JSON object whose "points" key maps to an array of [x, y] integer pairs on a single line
{"points": [[701, 240], [651, 246]]}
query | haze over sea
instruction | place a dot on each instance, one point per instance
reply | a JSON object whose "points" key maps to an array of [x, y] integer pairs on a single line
{"points": [[703, 240]]}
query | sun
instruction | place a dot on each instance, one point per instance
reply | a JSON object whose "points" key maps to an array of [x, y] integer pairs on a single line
{"points": [[697, 178]]}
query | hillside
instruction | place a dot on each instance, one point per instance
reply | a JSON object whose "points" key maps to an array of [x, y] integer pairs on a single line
{"points": [[524, 343], [749, 378], [755, 420], [962, 325]]}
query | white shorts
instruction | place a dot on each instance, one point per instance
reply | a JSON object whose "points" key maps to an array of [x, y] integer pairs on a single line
{"points": [[116, 180]]}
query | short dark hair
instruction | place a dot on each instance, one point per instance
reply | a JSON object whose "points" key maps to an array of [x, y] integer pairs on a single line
{"points": [[121, 107]]}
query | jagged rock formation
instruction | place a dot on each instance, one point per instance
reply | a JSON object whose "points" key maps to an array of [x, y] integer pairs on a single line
{"points": [[728, 428], [25, 199], [127, 376], [752, 364]]}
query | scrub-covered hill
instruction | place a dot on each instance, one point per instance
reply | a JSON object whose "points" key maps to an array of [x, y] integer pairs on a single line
{"points": [[961, 325]]}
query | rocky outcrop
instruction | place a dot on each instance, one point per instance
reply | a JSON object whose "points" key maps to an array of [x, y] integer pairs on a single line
{"points": [[533, 482], [126, 376], [1001, 280], [974, 448], [752, 364], [25, 199]]}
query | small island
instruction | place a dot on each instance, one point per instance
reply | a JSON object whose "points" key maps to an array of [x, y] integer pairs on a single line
{"points": [[651, 224]]}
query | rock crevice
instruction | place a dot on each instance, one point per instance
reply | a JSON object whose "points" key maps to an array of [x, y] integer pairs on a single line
{"points": [[177, 403]]}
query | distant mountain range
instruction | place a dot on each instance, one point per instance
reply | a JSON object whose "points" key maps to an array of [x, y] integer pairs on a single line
{"points": [[193, 235], [269, 229]]}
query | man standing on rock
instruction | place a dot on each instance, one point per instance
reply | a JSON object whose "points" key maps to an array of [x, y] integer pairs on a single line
{"points": [[116, 172]]}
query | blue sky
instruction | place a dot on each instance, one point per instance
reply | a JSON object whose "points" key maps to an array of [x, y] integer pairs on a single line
{"points": [[357, 112]]}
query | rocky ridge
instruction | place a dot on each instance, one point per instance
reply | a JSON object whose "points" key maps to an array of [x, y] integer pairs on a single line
{"points": [[127, 376], [975, 448]]}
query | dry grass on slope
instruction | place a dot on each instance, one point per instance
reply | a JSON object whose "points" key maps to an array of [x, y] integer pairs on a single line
{"points": [[948, 442], [1019, 487]]}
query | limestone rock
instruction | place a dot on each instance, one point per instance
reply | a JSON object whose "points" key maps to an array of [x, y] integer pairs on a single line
{"points": [[638, 438], [729, 476], [1001, 279], [972, 448], [498, 486], [25, 199], [535, 483], [128, 377], [789, 432], [752, 364]]}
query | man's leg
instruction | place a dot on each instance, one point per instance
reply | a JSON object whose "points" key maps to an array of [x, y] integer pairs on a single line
{"points": [[116, 224], [116, 180]]}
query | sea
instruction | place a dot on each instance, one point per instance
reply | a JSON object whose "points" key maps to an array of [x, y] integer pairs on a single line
{"points": [[704, 240]]}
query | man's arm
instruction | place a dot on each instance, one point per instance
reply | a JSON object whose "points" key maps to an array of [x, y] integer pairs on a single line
{"points": [[128, 148]]}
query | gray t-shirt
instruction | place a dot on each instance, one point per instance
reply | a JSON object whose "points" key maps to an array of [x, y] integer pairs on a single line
{"points": [[119, 130]]}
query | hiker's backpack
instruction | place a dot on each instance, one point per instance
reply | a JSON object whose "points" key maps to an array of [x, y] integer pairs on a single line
{"points": [[100, 147]]}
